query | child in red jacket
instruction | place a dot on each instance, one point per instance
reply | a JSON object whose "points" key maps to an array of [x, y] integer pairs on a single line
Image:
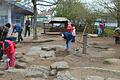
{"points": [[8, 48]]}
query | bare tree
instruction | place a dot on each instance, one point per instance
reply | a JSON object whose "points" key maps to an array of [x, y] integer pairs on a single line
{"points": [[111, 6], [35, 3], [35, 20], [76, 11]]}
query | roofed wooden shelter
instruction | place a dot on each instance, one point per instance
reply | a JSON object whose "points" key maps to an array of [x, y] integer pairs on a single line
{"points": [[51, 28]]}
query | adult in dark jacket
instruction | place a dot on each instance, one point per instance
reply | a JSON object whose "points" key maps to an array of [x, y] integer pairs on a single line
{"points": [[18, 28], [4, 31], [27, 28]]}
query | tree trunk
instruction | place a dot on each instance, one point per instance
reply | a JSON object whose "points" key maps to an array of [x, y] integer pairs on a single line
{"points": [[118, 12], [118, 19], [35, 37]]}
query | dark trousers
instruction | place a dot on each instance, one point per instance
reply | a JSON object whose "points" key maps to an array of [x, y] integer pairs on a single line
{"points": [[20, 38], [73, 38], [27, 30], [117, 40]]}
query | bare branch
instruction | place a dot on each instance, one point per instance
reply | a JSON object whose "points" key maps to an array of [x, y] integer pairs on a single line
{"points": [[27, 3], [108, 7], [45, 4], [49, 3]]}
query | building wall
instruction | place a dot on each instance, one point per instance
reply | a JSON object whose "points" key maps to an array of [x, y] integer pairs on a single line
{"points": [[3, 13], [8, 14], [110, 24], [3, 8], [18, 19]]}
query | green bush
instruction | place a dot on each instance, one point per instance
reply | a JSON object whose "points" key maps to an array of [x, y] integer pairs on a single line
{"points": [[108, 32]]}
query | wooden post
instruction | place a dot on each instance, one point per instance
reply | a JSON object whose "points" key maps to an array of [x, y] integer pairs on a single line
{"points": [[44, 29], [84, 50]]}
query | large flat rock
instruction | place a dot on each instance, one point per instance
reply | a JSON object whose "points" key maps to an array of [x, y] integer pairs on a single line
{"points": [[60, 65], [47, 54], [37, 71]]}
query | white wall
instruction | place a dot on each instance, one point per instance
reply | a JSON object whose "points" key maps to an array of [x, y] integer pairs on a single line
{"points": [[3, 9], [9, 15], [107, 24], [5, 13]]}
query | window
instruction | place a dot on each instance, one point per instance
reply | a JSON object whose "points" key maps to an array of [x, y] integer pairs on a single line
{"points": [[3, 20]]}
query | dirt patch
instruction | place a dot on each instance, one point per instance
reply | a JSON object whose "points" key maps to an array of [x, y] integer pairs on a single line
{"points": [[61, 53], [74, 61]]}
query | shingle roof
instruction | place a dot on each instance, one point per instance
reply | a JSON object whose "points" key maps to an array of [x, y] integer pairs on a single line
{"points": [[59, 19], [27, 10]]}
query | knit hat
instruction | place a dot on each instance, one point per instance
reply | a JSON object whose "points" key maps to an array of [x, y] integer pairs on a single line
{"points": [[7, 25]]}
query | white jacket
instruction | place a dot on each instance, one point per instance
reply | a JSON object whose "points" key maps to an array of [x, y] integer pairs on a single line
{"points": [[74, 32]]}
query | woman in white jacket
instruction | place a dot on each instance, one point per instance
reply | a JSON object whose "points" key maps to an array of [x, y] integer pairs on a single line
{"points": [[74, 34]]}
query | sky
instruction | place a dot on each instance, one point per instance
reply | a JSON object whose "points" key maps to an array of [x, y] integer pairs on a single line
{"points": [[41, 8], [84, 1], [87, 1]]}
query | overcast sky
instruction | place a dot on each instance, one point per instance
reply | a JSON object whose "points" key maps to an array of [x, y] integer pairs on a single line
{"points": [[48, 7]]}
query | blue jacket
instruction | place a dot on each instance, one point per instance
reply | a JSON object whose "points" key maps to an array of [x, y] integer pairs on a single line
{"points": [[17, 28], [67, 35]]}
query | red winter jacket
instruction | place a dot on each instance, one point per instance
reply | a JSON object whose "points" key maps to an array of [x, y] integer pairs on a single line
{"points": [[10, 49]]}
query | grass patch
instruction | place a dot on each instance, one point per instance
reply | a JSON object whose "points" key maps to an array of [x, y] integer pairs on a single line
{"points": [[108, 32]]}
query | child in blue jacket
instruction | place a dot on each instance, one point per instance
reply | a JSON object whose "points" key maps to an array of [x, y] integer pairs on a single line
{"points": [[68, 37]]}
